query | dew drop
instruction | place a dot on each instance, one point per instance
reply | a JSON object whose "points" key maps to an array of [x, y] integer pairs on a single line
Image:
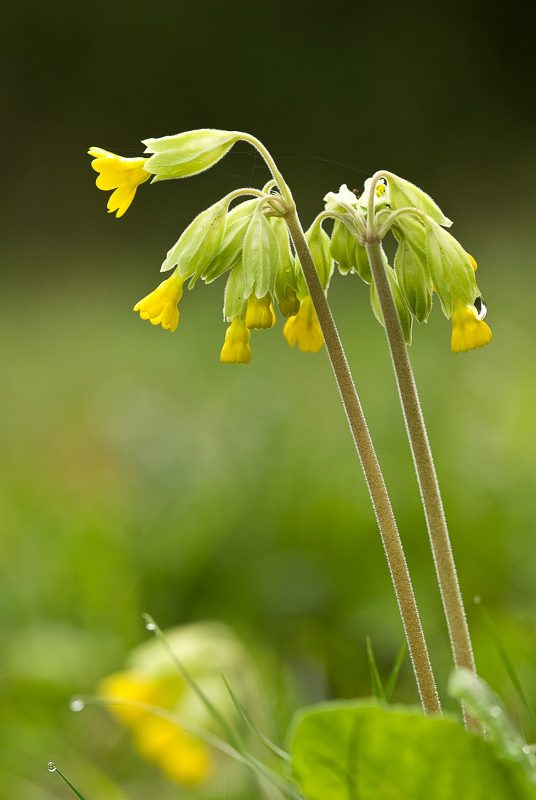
{"points": [[477, 599], [481, 308], [528, 749], [77, 704], [495, 711], [150, 625], [51, 766]]}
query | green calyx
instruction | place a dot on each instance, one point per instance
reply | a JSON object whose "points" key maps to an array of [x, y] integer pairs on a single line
{"points": [[187, 153]]}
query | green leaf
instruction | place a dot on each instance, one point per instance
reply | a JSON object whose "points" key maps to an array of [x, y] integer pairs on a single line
{"points": [[362, 751], [232, 242], [403, 194], [187, 153], [234, 302], [199, 243], [260, 255], [450, 268]]}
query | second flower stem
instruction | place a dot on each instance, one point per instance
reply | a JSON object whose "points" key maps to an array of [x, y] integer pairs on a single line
{"points": [[424, 466], [376, 485]]}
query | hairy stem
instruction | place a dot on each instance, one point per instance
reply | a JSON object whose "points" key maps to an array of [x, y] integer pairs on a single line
{"points": [[424, 465], [374, 478]]}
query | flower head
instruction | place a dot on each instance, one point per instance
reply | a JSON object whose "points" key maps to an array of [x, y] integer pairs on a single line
{"points": [[260, 312], [304, 329], [124, 175], [469, 330], [236, 349], [160, 307]]}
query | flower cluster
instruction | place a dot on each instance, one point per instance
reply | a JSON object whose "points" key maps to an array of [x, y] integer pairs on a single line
{"points": [[428, 260], [249, 242], [154, 701]]}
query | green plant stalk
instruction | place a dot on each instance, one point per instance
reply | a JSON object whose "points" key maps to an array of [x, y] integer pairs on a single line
{"points": [[376, 485], [424, 465]]}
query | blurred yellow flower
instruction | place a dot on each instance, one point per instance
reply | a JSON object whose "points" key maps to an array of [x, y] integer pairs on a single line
{"points": [[160, 307], [124, 175], [260, 312], [304, 329], [236, 349], [468, 331]]}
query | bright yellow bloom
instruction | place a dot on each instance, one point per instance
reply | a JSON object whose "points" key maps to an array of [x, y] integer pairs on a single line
{"points": [[160, 307], [260, 312], [186, 760], [122, 174], [132, 687], [468, 331], [236, 349], [304, 328]]}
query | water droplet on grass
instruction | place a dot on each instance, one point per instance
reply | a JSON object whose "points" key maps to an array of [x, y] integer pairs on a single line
{"points": [[51, 766], [495, 711], [77, 704]]}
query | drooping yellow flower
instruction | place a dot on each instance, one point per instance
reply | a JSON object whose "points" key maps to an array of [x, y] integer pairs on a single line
{"points": [[236, 349], [160, 307], [304, 329], [468, 331], [124, 175], [260, 312]]}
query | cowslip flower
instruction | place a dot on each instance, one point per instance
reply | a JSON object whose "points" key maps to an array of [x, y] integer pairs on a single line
{"points": [[304, 329], [161, 306], [236, 349], [469, 330], [184, 758], [260, 312], [123, 175]]}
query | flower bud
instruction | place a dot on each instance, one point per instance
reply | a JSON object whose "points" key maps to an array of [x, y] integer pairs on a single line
{"points": [[260, 255], [404, 314], [187, 153], [236, 349], [289, 303], [403, 194], [260, 312], [234, 299], [348, 253], [232, 243], [450, 268], [411, 266], [199, 243], [320, 247]]}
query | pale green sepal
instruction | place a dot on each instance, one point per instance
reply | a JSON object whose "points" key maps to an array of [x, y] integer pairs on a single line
{"points": [[320, 247], [450, 268], [404, 314], [187, 153], [286, 268], [348, 253], [403, 194], [411, 267], [233, 241], [234, 302], [199, 243], [382, 195], [260, 255], [337, 201]]}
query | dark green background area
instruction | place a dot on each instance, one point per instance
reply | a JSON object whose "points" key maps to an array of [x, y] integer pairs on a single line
{"points": [[138, 473]]}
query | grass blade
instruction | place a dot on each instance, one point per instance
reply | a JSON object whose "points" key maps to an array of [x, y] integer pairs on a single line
{"points": [[53, 768], [377, 686]]}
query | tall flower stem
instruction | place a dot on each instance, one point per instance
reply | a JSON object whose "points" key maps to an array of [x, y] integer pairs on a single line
{"points": [[376, 485], [424, 464]]}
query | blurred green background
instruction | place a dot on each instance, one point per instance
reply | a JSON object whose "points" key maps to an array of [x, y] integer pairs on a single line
{"points": [[140, 474]]}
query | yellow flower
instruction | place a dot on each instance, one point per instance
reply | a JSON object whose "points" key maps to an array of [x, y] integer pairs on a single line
{"points": [[236, 349], [468, 331], [133, 687], [289, 303], [304, 328], [122, 174], [160, 307], [186, 760], [260, 312]]}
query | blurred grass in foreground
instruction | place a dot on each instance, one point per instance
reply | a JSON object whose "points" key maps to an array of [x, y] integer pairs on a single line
{"points": [[140, 474]]}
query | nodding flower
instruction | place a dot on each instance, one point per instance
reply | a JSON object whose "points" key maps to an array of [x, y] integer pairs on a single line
{"points": [[469, 330], [304, 329], [236, 349], [124, 175], [160, 307], [260, 312]]}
